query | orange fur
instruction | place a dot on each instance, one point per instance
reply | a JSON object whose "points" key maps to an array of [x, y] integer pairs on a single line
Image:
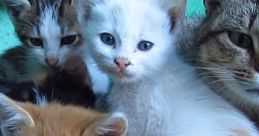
{"points": [[57, 120]]}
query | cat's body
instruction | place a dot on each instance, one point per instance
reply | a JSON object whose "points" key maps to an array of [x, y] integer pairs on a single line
{"points": [[134, 43], [18, 65], [66, 86], [226, 51], [25, 119]]}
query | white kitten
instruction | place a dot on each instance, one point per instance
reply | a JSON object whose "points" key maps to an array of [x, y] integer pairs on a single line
{"points": [[131, 41]]}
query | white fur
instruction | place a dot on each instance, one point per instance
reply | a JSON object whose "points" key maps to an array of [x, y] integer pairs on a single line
{"points": [[51, 33], [40, 99], [99, 79], [158, 93]]}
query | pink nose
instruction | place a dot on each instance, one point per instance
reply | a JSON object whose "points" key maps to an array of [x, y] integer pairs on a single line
{"points": [[52, 61], [122, 63]]}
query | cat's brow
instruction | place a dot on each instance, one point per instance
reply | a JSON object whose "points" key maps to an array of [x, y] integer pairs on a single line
{"points": [[252, 20]]}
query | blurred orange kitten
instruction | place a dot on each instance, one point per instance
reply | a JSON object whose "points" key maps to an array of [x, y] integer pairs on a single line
{"points": [[25, 119]]}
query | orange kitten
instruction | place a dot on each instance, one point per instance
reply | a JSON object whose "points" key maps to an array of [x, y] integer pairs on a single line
{"points": [[24, 119]]}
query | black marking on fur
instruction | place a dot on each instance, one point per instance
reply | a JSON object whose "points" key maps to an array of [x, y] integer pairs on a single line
{"points": [[255, 2], [207, 36], [252, 20]]}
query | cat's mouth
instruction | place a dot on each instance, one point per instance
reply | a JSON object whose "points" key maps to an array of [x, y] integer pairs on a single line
{"points": [[119, 73]]}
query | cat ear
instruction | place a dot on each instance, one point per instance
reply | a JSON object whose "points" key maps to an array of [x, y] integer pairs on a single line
{"points": [[175, 8], [83, 10], [13, 118], [116, 125], [15, 7], [211, 5]]}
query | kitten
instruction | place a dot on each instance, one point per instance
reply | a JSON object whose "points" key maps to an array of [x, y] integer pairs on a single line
{"points": [[227, 52], [66, 86], [133, 41], [25, 119], [50, 34]]}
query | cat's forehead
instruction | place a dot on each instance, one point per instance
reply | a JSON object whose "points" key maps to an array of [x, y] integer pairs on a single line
{"points": [[47, 12], [231, 16], [130, 14]]}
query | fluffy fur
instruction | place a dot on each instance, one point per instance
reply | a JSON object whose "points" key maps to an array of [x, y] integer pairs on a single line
{"points": [[44, 26], [226, 51], [157, 91], [66, 86], [24, 119], [53, 26]]}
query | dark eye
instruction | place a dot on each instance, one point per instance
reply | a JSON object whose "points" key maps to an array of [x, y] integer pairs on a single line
{"points": [[68, 40], [145, 45], [36, 42], [107, 39], [241, 40]]}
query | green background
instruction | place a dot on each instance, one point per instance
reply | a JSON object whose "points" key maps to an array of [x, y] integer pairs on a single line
{"points": [[8, 38]]}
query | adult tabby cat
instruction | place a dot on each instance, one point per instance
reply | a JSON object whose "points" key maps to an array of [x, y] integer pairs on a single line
{"points": [[227, 51]]}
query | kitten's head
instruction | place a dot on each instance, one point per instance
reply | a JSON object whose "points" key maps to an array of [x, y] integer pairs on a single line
{"points": [[24, 119], [129, 39], [229, 47], [49, 27]]}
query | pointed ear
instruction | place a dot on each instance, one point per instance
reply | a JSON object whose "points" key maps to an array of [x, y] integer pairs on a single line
{"points": [[83, 10], [175, 9], [16, 7], [13, 118], [116, 125], [211, 5]]}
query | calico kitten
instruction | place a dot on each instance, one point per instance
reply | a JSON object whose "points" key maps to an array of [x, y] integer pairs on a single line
{"points": [[133, 41], [25, 119], [66, 86], [49, 32], [227, 43]]}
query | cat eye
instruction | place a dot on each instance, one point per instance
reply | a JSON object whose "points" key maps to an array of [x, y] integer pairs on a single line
{"points": [[36, 42], [107, 39], [241, 40], [68, 40], [145, 45]]}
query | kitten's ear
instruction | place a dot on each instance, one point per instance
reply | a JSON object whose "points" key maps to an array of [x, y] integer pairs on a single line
{"points": [[116, 125], [16, 7], [13, 118], [211, 5], [175, 8], [83, 10]]}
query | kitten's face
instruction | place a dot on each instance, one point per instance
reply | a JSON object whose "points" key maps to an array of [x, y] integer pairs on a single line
{"points": [[129, 39], [229, 48], [48, 27], [24, 119]]}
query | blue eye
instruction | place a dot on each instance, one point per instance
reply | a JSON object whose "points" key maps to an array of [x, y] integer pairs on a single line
{"points": [[145, 45], [107, 39]]}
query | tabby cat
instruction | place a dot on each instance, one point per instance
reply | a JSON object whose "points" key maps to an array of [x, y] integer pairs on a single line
{"points": [[227, 51]]}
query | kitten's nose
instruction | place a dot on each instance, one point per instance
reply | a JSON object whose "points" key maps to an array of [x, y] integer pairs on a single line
{"points": [[52, 61], [122, 63]]}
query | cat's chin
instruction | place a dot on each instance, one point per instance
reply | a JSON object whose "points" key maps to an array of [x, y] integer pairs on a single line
{"points": [[121, 76]]}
